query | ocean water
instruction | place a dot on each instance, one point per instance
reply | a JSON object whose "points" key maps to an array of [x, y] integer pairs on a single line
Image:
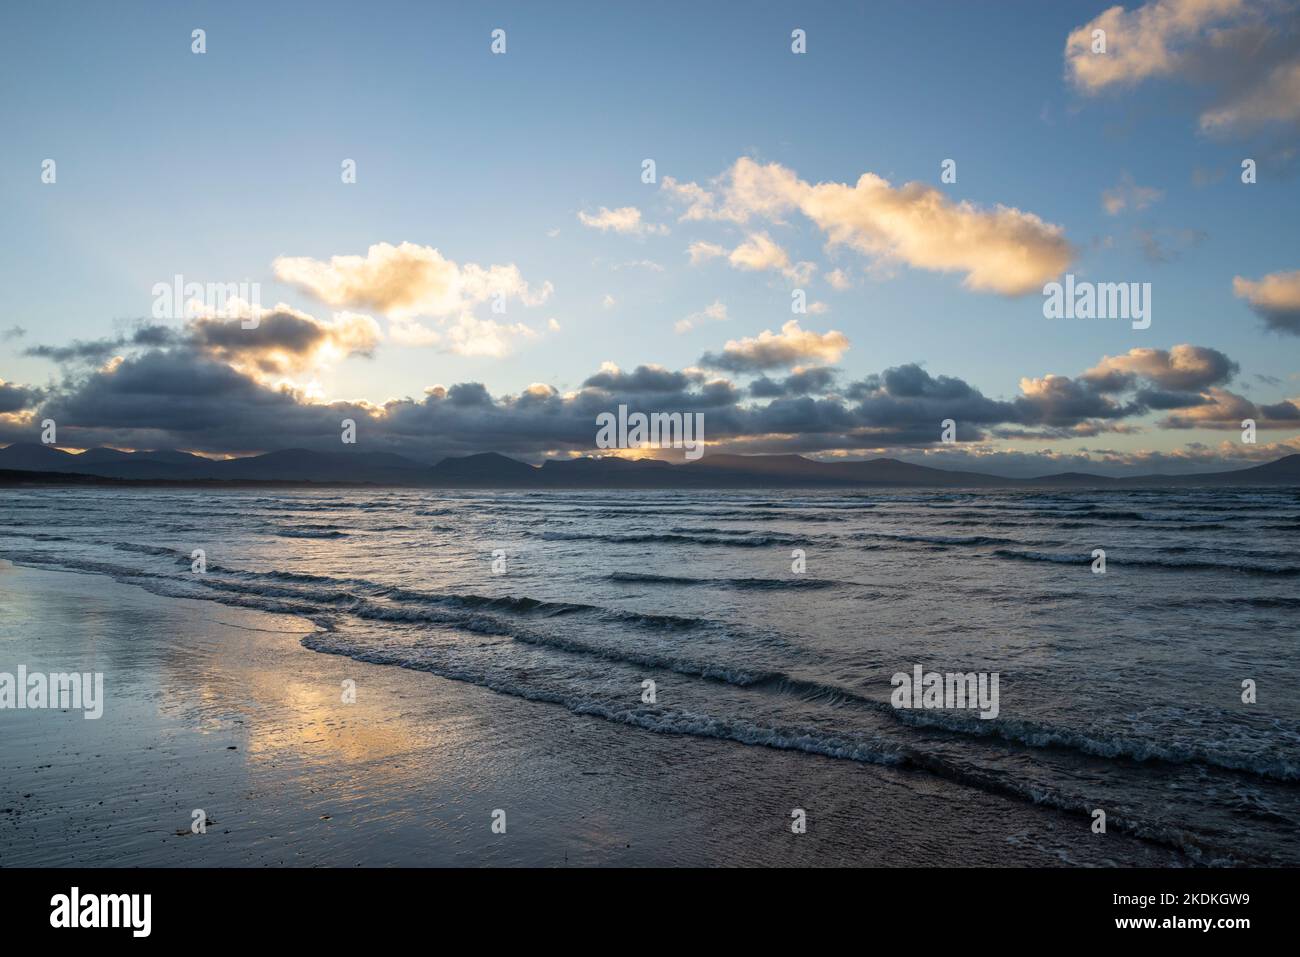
{"points": [[1119, 691]]}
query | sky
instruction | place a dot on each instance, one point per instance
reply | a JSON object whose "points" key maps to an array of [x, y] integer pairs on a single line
{"points": [[504, 267]]}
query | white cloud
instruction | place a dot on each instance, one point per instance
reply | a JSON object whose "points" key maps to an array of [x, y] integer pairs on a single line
{"points": [[758, 252], [625, 219], [716, 312], [702, 252]]}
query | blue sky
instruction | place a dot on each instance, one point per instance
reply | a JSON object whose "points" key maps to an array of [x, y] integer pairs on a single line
{"points": [[212, 166]]}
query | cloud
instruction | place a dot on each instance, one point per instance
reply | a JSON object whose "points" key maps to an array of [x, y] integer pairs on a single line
{"points": [[715, 312], [625, 219], [407, 281], [195, 390], [471, 336], [702, 252], [1243, 55], [700, 203], [13, 332], [285, 340], [96, 351], [816, 380], [1275, 100], [1275, 299], [410, 281], [839, 280], [1226, 410], [644, 380], [760, 252], [1164, 245], [1129, 195], [1002, 250], [1155, 39], [1061, 402], [1182, 367], [17, 398], [772, 350]]}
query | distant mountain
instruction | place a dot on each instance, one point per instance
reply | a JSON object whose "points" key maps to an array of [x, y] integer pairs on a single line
{"points": [[302, 465], [1283, 471], [38, 463], [29, 455], [486, 468]]}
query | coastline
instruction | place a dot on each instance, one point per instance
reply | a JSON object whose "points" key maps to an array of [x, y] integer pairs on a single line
{"points": [[223, 709]]}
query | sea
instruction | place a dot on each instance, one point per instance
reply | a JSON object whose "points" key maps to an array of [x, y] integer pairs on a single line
{"points": [[1159, 688]]}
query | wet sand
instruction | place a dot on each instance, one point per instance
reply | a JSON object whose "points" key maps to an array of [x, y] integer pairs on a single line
{"points": [[222, 709]]}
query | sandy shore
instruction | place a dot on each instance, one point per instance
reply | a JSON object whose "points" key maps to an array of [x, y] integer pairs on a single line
{"points": [[222, 709]]}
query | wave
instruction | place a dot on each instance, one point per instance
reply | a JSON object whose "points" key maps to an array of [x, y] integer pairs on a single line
{"points": [[1101, 744], [1162, 563], [148, 550], [1248, 601], [944, 539], [754, 540], [740, 584], [858, 748], [308, 531]]}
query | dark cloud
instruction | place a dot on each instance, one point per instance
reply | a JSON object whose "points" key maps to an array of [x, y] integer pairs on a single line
{"points": [[643, 380], [16, 398], [95, 351], [1227, 410], [1164, 245], [1281, 412], [815, 381], [283, 339], [197, 389], [1160, 400], [1279, 317]]}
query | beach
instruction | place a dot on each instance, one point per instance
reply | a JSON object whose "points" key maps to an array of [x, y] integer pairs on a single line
{"points": [[223, 710], [338, 678]]}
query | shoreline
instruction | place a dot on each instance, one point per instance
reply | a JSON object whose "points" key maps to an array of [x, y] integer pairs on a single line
{"points": [[223, 709]]}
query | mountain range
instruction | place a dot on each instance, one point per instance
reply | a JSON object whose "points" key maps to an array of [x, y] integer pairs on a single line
{"points": [[28, 463]]}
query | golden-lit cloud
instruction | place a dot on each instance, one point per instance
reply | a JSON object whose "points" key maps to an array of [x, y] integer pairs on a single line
{"points": [[410, 281], [1181, 367], [1228, 410], [407, 280], [284, 341], [791, 346], [1275, 298], [1152, 40], [1002, 250], [1243, 53]]}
